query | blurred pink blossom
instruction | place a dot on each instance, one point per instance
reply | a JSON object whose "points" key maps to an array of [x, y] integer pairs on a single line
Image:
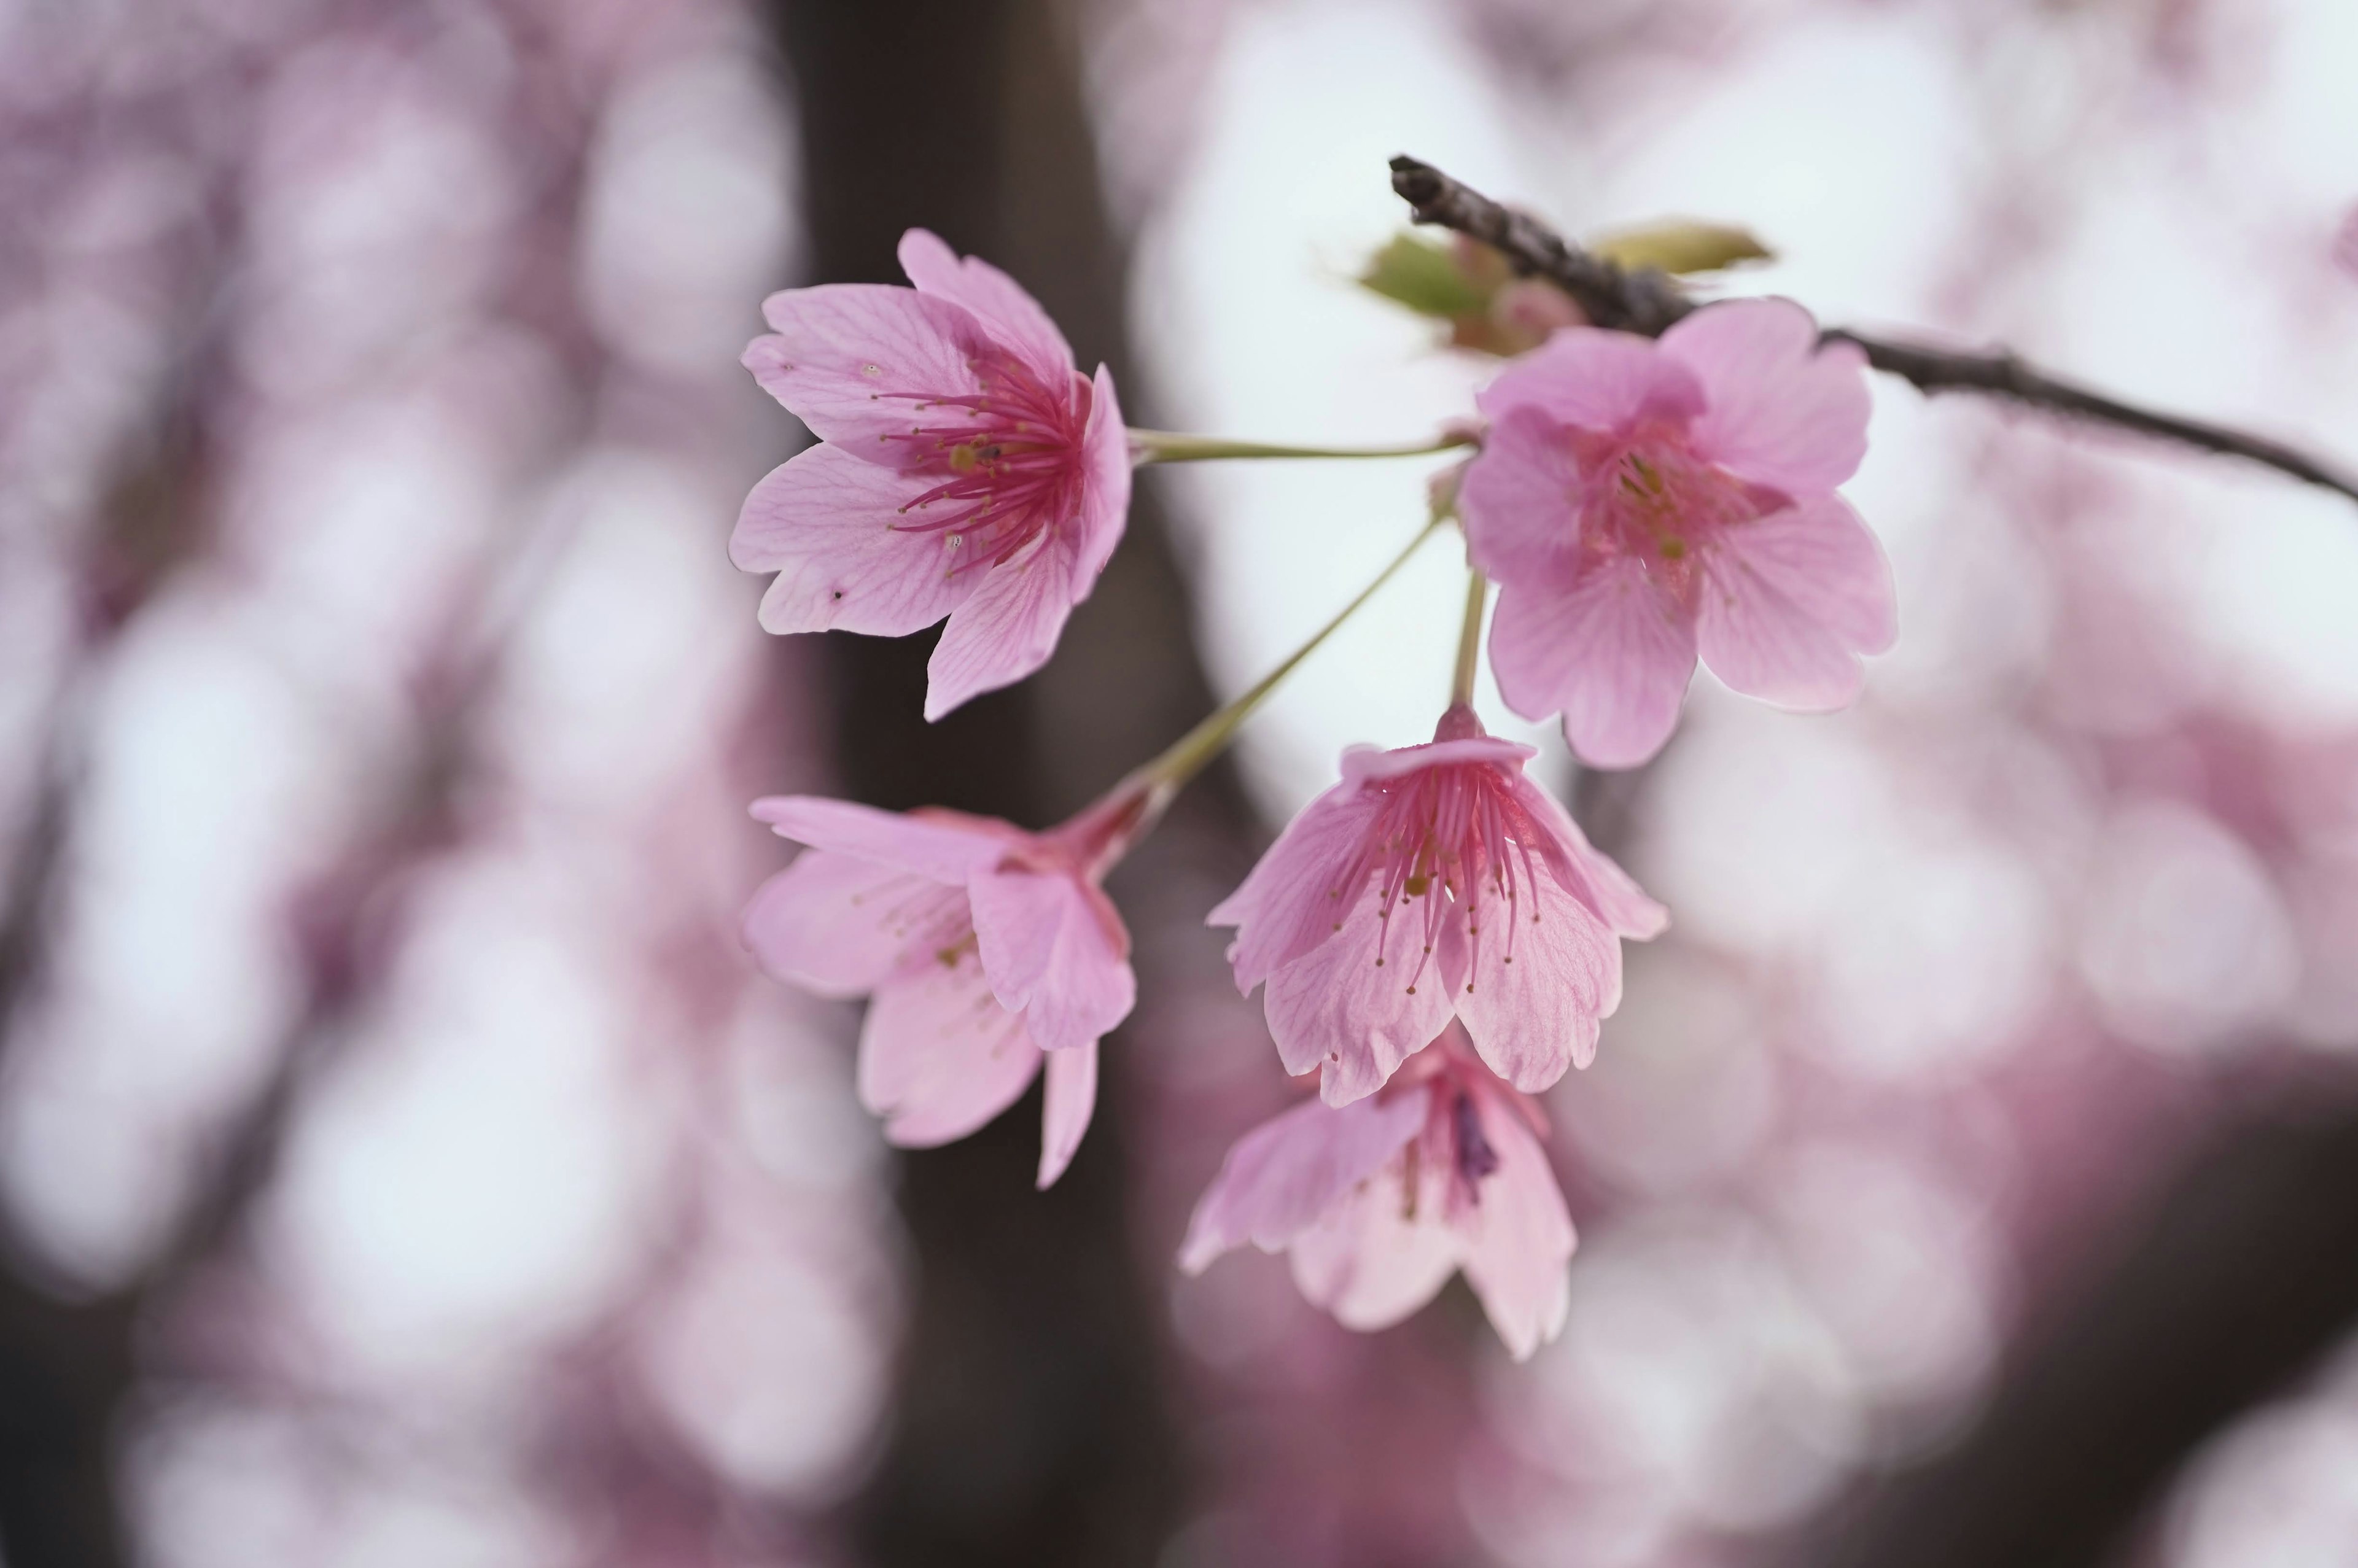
{"points": [[1442, 822], [967, 469], [2345, 243], [1379, 1201], [985, 949], [1638, 503]]}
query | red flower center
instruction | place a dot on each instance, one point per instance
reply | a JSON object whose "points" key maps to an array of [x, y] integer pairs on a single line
{"points": [[1008, 457], [1454, 829], [1646, 493]]}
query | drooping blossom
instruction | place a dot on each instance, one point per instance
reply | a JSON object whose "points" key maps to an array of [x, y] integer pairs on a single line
{"points": [[986, 951], [966, 469], [1641, 502], [1379, 1201], [1434, 882]]}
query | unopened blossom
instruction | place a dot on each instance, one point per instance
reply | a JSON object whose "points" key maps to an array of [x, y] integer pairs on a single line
{"points": [[966, 469], [1434, 881], [1641, 502], [1379, 1201], [985, 951]]}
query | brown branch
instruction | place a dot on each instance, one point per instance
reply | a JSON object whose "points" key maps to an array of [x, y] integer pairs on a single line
{"points": [[1649, 302]]}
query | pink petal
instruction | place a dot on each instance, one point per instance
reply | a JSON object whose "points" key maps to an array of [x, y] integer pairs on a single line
{"points": [[937, 849], [1532, 1010], [1364, 765], [837, 924], [1591, 874], [1522, 1241], [1050, 955], [1790, 601], [1597, 381], [938, 1056], [1284, 906], [1613, 653], [1008, 628], [1783, 412], [1370, 1262], [1105, 482], [1335, 1007], [839, 348], [1521, 498], [824, 522], [1071, 1097], [1285, 1173], [1011, 315]]}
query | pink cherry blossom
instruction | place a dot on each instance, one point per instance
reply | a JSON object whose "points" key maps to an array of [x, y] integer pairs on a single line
{"points": [[985, 951], [1505, 918], [1379, 1201], [966, 469], [1641, 502]]}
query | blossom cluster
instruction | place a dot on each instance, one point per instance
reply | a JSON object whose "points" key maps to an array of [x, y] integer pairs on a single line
{"points": [[1434, 937]]}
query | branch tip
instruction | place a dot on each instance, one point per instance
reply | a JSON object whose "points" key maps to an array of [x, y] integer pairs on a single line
{"points": [[1649, 302]]}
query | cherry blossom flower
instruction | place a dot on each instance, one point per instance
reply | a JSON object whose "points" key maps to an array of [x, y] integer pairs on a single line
{"points": [[985, 951], [1379, 1201], [966, 469], [1641, 502], [1505, 918]]}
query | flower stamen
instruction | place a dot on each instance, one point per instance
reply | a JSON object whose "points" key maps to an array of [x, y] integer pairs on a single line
{"points": [[1007, 459]]}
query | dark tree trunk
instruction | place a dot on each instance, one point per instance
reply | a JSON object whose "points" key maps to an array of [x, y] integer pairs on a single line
{"points": [[1030, 1426]]}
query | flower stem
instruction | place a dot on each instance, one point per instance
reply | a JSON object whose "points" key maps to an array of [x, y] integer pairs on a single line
{"points": [[1193, 752], [1172, 446], [1469, 640]]}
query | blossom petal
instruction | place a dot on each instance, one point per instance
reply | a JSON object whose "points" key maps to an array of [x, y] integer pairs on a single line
{"points": [[823, 521], [1523, 1237], [1280, 1177], [1378, 1257], [1590, 874], [1050, 955], [1531, 987], [1783, 411], [1007, 311], [938, 1057], [1596, 379], [1521, 498], [1790, 601], [849, 360], [1354, 1012], [933, 847], [1367, 764], [1613, 653], [1070, 1099], [1286, 906], [837, 924], [1105, 482], [1007, 629]]}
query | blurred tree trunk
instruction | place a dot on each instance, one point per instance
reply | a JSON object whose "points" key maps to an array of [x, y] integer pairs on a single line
{"points": [[2240, 1277], [1030, 1425]]}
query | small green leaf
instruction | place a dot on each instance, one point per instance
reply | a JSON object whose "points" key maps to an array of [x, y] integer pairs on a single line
{"points": [[1424, 276], [1681, 245]]}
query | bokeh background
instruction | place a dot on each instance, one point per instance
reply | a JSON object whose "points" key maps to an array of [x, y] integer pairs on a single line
{"points": [[400, 1163]]}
